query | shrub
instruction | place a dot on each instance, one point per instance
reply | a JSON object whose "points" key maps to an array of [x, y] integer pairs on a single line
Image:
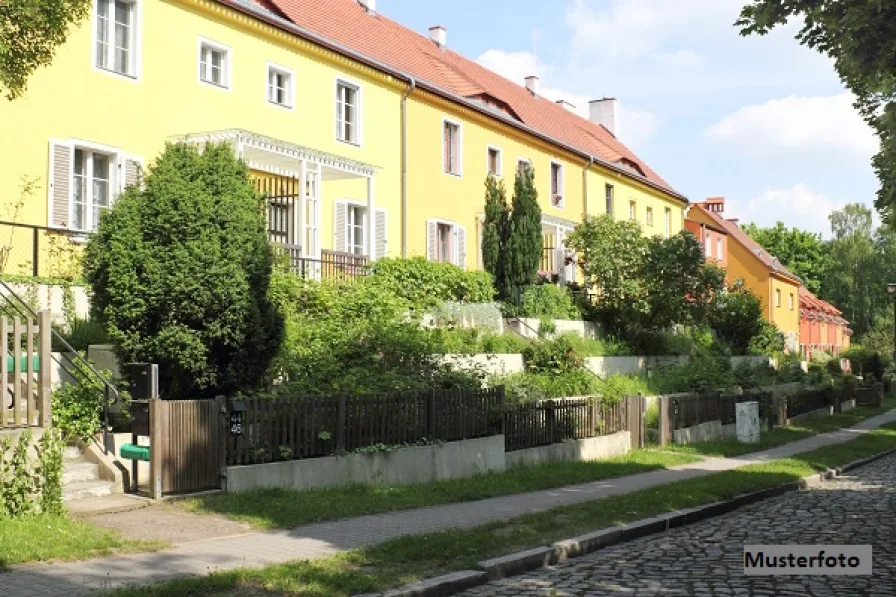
{"points": [[424, 284], [701, 374], [78, 406], [768, 341], [548, 301], [31, 485], [530, 386], [865, 362], [558, 355], [736, 316], [357, 338], [82, 333], [179, 272], [485, 316]]}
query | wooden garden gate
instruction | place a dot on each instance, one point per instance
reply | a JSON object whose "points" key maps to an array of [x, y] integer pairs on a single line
{"points": [[186, 445], [634, 412]]}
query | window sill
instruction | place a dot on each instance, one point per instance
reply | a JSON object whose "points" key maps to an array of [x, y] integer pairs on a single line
{"points": [[215, 85], [454, 174], [282, 106], [347, 142], [117, 74]]}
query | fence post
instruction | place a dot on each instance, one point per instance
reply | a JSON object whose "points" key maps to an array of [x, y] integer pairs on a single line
{"points": [[340, 423], [43, 378], [223, 437], [157, 438], [550, 418], [431, 416]]}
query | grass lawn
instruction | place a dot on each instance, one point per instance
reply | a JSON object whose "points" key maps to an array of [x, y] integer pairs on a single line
{"points": [[282, 508], [411, 558], [783, 435], [42, 538]]}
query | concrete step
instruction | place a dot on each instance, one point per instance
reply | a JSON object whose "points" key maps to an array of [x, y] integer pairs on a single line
{"points": [[71, 453], [75, 472], [86, 489]]}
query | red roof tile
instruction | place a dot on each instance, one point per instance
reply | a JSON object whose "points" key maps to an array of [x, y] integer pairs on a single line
{"points": [[810, 302], [349, 24]]}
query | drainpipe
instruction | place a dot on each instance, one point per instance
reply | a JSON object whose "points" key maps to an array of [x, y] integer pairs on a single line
{"points": [[585, 186], [404, 166]]}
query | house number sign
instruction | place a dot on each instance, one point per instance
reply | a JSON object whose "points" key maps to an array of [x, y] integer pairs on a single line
{"points": [[236, 423]]}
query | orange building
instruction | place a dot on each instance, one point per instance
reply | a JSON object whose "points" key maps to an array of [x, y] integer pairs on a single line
{"points": [[822, 326], [712, 237]]}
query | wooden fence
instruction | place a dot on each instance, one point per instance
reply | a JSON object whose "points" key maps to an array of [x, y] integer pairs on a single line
{"points": [[288, 428], [695, 409], [806, 401], [530, 425], [25, 371]]}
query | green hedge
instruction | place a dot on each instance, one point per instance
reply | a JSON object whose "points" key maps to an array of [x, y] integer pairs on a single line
{"points": [[425, 284]]}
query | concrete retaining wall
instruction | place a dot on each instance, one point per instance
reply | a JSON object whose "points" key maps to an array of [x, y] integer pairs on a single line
{"points": [[492, 364], [529, 327], [423, 464], [847, 405], [818, 413], [594, 448], [51, 297], [703, 432]]}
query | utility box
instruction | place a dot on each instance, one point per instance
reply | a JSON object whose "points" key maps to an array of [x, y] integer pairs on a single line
{"points": [[143, 379], [747, 422]]}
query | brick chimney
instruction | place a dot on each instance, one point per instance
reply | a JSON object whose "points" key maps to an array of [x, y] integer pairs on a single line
{"points": [[715, 205]]}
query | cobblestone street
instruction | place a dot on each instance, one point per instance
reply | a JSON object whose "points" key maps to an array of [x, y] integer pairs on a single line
{"points": [[706, 558]]}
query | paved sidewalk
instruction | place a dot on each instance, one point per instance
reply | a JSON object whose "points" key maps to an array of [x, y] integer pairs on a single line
{"points": [[259, 549]]}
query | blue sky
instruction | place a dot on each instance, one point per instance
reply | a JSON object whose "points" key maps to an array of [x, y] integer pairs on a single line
{"points": [[761, 121]]}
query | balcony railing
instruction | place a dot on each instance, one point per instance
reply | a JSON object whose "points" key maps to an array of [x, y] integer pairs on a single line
{"points": [[332, 265]]}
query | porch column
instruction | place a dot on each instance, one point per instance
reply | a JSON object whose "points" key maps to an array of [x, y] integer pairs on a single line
{"points": [[318, 200], [370, 237], [303, 234]]}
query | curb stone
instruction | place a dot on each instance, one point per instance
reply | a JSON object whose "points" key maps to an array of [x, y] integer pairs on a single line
{"points": [[539, 557]]}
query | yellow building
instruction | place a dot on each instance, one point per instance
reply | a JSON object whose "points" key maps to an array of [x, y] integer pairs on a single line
{"points": [[777, 288], [369, 139]]}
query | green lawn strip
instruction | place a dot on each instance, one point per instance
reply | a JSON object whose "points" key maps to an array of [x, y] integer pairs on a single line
{"points": [[286, 509], [42, 538], [411, 558], [779, 436]]}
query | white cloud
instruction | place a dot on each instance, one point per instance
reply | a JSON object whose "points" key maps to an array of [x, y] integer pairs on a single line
{"points": [[680, 60], [797, 206], [780, 127], [515, 66]]}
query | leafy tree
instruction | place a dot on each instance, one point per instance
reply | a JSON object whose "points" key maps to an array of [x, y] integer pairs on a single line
{"points": [[524, 246], [769, 340], [736, 316], [855, 282], [678, 282], [494, 231], [802, 252], [858, 36], [179, 271], [30, 32], [611, 255]]}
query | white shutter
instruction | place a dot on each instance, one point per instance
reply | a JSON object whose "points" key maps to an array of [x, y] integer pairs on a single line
{"points": [[432, 249], [460, 236], [59, 189], [339, 227], [133, 171], [380, 238]]}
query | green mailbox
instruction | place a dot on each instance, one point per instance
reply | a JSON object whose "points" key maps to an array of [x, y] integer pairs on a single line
{"points": [[135, 452]]}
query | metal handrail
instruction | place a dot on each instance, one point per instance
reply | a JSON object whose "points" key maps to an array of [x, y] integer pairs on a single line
{"points": [[109, 389]]}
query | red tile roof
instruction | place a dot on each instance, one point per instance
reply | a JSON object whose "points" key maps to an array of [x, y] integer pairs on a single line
{"points": [[734, 231], [349, 24], [811, 303]]}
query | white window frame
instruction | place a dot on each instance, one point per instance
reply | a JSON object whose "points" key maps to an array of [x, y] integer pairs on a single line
{"points": [[359, 110], [349, 205], [136, 57], [488, 150], [271, 67], [667, 223], [227, 71], [460, 146], [116, 180], [648, 216], [707, 243], [632, 210], [609, 193], [455, 249], [561, 184], [778, 298], [519, 161], [720, 253], [790, 301]]}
